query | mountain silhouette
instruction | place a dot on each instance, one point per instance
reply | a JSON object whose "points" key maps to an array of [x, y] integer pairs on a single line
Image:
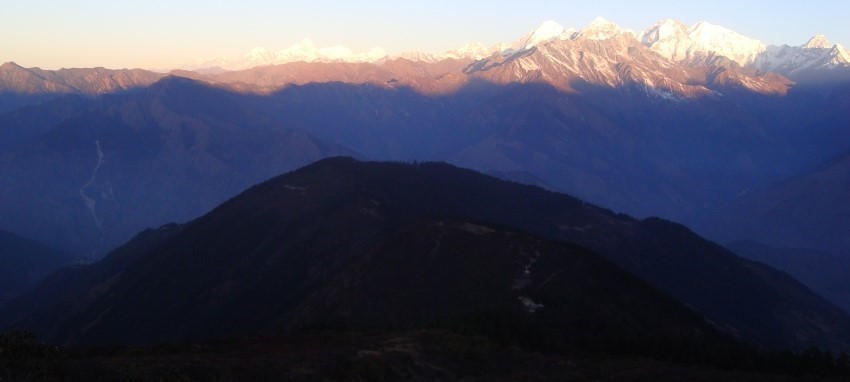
{"points": [[345, 243]]}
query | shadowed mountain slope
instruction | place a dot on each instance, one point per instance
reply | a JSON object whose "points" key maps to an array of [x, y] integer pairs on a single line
{"points": [[825, 273], [118, 164], [799, 225], [624, 146], [811, 210], [316, 245], [24, 263]]}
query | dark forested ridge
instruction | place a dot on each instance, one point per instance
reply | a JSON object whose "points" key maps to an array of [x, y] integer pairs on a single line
{"points": [[318, 246]]}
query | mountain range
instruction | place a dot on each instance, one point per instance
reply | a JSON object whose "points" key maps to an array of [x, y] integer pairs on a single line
{"points": [[21, 86], [694, 45], [743, 142]]}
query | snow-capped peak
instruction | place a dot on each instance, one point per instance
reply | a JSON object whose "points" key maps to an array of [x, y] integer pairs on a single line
{"points": [[600, 29], [259, 56], [697, 45], [599, 21], [305, 50], [472, 50], [475, 51], [663, 31], [714, 38], [669, 39], [819, 42], [548, 30], [842, 54]]}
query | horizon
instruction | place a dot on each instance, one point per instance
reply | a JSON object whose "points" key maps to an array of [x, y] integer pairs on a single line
{"points": [[156, 34]]}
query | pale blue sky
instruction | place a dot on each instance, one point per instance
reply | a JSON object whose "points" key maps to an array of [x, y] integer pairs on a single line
{"points": [[162, 34]]}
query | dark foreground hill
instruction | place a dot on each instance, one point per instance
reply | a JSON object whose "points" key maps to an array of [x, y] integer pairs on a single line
{"points": [[273, 263], [347, 244]]}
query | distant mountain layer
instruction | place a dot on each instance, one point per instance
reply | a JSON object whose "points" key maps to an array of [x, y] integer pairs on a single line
{"points": [[826, 274], [811, 210], [800, 225], [347, 243], [96, 172], [21, 86], [112, 166], [698, 45], [24, 263]]}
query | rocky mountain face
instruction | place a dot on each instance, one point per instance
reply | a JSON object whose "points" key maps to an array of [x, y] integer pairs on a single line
{"points": [[344, 243], [612, 58], [815, 61]]}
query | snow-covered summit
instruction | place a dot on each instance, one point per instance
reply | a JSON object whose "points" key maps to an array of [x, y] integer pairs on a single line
{"points": [[697, 45], [717, 39], [664, 31], [547, 31], [665, 37], [672, 40], [473, 50], [804, 61], [469, 51], [601, 29], [703, 41], [307, 51], [818, 41], [841, 54], [304, 51]]}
